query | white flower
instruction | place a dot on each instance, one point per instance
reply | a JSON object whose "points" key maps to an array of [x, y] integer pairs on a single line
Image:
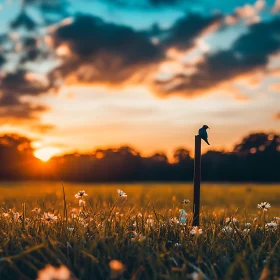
{"points": [[227, 229], [49, 217], [177, 244], [196, 231], [186, 201], [247, 224], [80, 194], [121, 193], [234, 220], [37, 210], [264, 206], [137, 237], [150, 221], [83, 222], [70, 228], [57, 273], [16, 215], [246, 230], [271, 225], [82, 203], [5, 215], [174, 220], [195, 276]]}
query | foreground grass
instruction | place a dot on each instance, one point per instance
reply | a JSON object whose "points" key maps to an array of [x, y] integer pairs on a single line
{"points": [[152, 240]]}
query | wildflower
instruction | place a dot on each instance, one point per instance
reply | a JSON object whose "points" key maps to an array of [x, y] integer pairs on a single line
{"points": [[277, 219], [49, 217], [177, 244], [80, 194], [195, 276], [150, 221], [70, 229], [51, 273], [227, 229], [174, 220], [5, 215], [82, 203], [264, 206], [116, 268], [16, 215], [234, 220], [247, 224], [121, 193], [186, 201], [183, 216], [139, 215], [246, 230], [271, 225], [196, 231], [37, 210], [83, 223], [137, 237]]}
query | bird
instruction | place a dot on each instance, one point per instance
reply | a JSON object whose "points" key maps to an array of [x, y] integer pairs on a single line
{"points": [[202, 132]]}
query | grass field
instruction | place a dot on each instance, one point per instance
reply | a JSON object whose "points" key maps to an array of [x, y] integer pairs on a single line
{"points": [[146, 235]]}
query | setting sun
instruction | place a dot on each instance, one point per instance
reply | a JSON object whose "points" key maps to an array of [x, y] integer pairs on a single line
{"points": [[45, 154]]}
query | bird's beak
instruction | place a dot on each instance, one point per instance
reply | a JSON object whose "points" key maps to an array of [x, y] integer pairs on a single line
{"points": [[208, 127]]}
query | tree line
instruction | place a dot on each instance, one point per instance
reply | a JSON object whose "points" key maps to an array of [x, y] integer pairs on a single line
{"points": [[255, 158]]}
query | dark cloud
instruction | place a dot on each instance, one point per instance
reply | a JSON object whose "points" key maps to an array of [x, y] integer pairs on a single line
{"points": [[51, 10], [2, 60], [103, 52], [249, 52], [21, 111], [16, 85], [125, 3], [98, 52], [23, 20], [182, 33]]}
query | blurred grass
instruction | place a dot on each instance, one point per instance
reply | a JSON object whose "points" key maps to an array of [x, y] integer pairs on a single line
{"points": [[213, 195], [153, 245]]}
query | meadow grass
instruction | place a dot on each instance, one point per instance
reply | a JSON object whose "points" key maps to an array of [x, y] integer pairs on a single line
{"points": [[149, 232]]}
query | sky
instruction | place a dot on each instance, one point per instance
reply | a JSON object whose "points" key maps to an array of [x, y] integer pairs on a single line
{"points": [[78, 75]]}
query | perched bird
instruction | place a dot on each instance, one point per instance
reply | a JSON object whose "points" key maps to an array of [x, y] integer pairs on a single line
{"points": [[202, 132]]}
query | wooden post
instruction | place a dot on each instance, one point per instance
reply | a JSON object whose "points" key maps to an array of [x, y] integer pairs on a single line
{"points": [[196, 181]]}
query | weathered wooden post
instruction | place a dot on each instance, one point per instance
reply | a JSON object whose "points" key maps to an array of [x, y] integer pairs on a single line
{"points": [[196, 180]]}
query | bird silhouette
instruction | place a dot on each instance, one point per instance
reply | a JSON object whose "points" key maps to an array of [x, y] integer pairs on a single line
{"points": [[202, 132]]}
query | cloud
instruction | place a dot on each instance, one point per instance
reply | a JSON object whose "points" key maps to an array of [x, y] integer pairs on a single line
{"points": [[13, 88], [98, 52], [182, 34], [277, 116], [276, 7], [94, 51], [2, 60], [250, 52], [150, 3], [247, 13], [23, 20]]}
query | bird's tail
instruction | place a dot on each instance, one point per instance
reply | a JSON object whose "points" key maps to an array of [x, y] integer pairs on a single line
{"points": [[207, 142]]}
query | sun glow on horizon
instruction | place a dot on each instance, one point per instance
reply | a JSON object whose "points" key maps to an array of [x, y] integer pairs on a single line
{"points": [[44, 154]]}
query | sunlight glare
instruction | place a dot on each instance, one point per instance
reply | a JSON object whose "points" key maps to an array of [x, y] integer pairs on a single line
{"points": [[46, 153]]}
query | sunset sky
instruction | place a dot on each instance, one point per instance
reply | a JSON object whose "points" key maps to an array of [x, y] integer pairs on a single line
{"points": [[81, 74]]}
